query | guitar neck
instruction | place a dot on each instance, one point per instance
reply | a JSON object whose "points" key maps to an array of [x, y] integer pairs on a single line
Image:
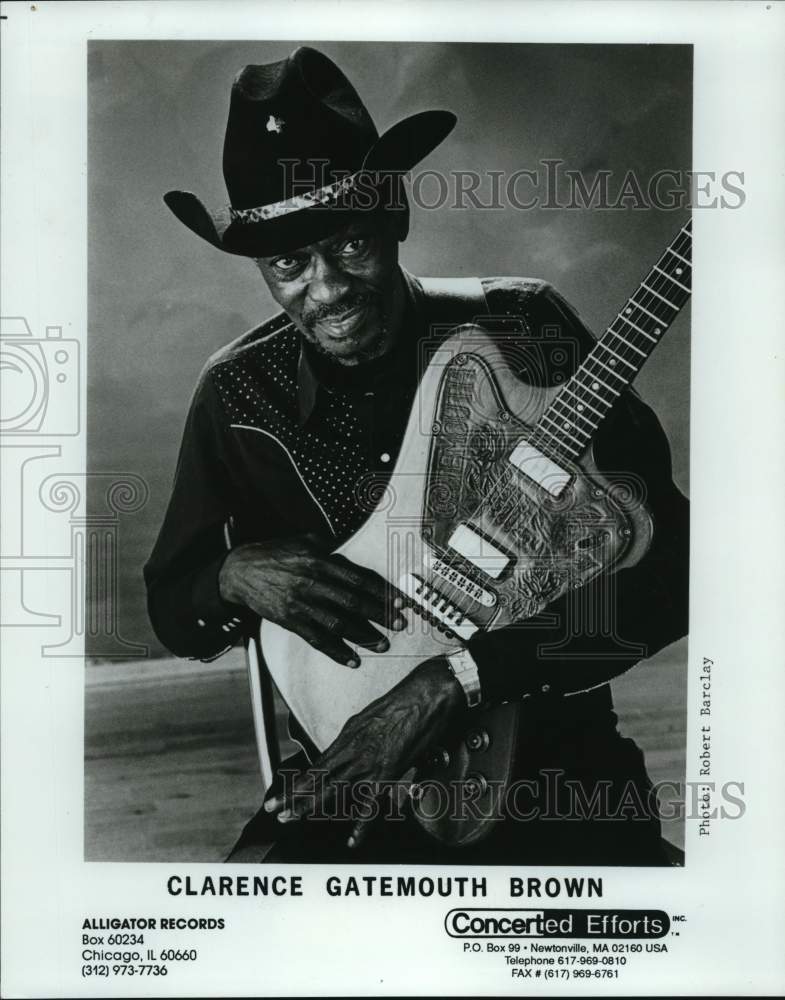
{"points": [[568, 425]]}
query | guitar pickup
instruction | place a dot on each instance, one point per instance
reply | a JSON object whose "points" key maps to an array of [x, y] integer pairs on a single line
{"points": [[539, 468], [478, 551]]}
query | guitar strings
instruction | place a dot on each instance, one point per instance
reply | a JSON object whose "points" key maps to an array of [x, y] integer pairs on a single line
{"points": [[648, 302], [658, 292], [575, 386], [650, 298]]}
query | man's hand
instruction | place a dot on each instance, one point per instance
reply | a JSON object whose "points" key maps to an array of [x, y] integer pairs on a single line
{"points": [[324, 598], [379, 744]]}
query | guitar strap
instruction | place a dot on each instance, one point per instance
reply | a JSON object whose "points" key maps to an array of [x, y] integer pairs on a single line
{"points": [[452, 301]]}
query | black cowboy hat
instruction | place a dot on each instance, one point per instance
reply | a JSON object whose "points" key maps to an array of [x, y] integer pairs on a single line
{"points": [[300, 152]]}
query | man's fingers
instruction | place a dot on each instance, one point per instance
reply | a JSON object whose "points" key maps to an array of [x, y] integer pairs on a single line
{"points": [[357, 630], [363, 610], [313, 793], [359, 833], [326, 643], [362, 825], [346, 613], [366, 591], [285, 814]]}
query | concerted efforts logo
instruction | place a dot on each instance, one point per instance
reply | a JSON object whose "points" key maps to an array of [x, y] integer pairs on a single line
{"points": [[576, 923]]}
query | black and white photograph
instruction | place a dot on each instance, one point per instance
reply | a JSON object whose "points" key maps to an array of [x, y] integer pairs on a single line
{"points": [[391, 601], [380, 393]]}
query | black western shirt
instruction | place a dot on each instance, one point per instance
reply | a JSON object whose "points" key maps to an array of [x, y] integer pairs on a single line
{"points": [[279, 442]]}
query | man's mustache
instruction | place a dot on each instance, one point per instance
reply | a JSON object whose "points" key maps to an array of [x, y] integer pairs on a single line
{"points": [[336, 310]]}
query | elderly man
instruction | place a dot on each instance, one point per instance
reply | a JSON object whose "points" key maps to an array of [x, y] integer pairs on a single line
{"points": [[284, 423]]}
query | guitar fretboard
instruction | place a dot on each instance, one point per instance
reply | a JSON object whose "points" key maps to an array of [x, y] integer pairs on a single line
{"points": [[568, 424]]}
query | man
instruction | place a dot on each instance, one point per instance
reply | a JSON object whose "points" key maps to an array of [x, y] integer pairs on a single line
{"points": [[288, 419]]}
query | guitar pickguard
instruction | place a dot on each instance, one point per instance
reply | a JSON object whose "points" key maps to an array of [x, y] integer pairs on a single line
{"points": [[551, 543]]}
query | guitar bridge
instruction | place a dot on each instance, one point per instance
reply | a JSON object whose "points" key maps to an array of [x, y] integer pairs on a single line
{"points": [[434, 607], [459, 580]]}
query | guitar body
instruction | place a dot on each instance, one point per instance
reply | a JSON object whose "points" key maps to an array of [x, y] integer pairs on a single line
{"points": [[478, 530]]}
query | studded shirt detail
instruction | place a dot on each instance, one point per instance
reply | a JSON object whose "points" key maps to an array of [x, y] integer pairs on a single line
{"points": [[274, 446]]}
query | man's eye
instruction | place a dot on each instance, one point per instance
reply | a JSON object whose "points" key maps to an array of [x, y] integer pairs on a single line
{"points": [[353, 247], [286, 263]]}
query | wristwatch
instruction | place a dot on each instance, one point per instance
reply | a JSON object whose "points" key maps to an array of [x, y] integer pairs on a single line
{"points": [[465, 671]]}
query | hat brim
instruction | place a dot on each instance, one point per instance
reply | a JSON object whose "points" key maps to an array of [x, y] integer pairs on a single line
{"points": [[399, 149]]}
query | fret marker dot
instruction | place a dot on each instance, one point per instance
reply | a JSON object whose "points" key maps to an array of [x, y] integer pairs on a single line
{"points": [[579, 407], [613, 362], [595, 385], [385, 457], [679, 270], [657, 330], [566, 425], [628, 310]]}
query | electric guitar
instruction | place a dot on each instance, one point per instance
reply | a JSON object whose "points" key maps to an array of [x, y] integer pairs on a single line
{"points": [[494, 510]]}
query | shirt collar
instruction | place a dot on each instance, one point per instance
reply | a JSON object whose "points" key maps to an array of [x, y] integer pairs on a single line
{"points": [[307, 388], [308, 383]]}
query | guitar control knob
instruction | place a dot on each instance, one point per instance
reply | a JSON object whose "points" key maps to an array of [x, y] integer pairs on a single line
{"points": [[478, 741], [475, 785], [439, 758]]}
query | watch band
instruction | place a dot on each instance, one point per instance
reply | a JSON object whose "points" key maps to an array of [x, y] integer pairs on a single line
{"points": [[465, 671]]}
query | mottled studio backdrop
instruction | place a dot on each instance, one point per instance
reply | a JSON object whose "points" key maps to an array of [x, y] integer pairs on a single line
{"points": [[161, 300]]}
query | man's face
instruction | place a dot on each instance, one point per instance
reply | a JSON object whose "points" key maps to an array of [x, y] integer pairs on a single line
{"points": [[341, 292]]}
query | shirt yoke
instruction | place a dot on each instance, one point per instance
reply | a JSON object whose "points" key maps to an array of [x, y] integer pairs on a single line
{"points": [[509, 295], [255, 375]]}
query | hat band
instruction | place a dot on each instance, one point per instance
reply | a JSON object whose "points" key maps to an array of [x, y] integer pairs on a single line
{"points": [[326, 195]]}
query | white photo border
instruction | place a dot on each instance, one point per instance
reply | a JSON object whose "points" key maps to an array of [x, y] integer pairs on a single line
{"points": [[732, 892]]}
